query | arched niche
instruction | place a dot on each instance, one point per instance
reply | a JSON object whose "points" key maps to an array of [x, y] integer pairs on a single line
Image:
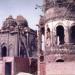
{"points": [[11, 50], [48, 37], [48, 32]]}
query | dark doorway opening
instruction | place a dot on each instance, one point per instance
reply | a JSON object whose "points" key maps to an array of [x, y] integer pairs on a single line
{"points": [[33, 66], [48, 30], [72, 35], [43, 30], [4, 51], [41, 58], [8, 68], [60, 60], [60, 34]]}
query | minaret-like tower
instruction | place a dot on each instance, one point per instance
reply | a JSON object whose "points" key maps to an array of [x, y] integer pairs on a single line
{"points": [[58, 25]]}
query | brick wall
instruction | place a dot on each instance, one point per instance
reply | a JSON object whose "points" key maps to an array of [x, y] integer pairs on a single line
{"points": [[42, 69], [21, 65], [60, 68]]}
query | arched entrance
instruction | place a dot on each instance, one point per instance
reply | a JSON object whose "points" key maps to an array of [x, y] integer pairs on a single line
{"points": [[60, 34], [72, 35], [4, 51], [60, 60]]}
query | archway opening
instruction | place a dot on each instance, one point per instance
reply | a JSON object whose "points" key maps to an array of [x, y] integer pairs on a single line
{"points": [[72, 35], [60, 60], [4, 51], [60, 34]]}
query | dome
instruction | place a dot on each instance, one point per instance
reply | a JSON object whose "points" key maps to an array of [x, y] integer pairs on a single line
{"points": [[57, 3], [59, 12], [9, 22], [21, 21]]}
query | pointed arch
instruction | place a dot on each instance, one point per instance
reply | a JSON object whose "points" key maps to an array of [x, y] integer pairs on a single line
{"points": [[3, 50]]}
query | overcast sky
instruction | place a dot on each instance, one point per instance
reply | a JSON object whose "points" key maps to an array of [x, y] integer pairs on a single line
{"points": [[25, 8]]}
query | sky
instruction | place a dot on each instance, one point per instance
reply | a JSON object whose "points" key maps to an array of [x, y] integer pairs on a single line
{"points": [[26, 8]]}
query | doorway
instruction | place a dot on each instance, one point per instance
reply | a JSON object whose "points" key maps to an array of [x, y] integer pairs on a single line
{"points": [[8, 68]]}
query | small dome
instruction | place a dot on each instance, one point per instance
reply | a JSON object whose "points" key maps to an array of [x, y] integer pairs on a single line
{"points": [[9, 22], [22, 21]]}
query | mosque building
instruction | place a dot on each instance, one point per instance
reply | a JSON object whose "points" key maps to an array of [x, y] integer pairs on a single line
{"points": [[18, 44]]}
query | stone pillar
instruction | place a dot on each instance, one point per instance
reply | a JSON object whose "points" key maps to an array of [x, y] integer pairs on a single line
{"points": [[66, 35], [39, 48]]}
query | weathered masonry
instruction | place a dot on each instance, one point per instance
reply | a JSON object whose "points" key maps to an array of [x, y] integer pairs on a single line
{"points": [[57, 28], [17, 46]]}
